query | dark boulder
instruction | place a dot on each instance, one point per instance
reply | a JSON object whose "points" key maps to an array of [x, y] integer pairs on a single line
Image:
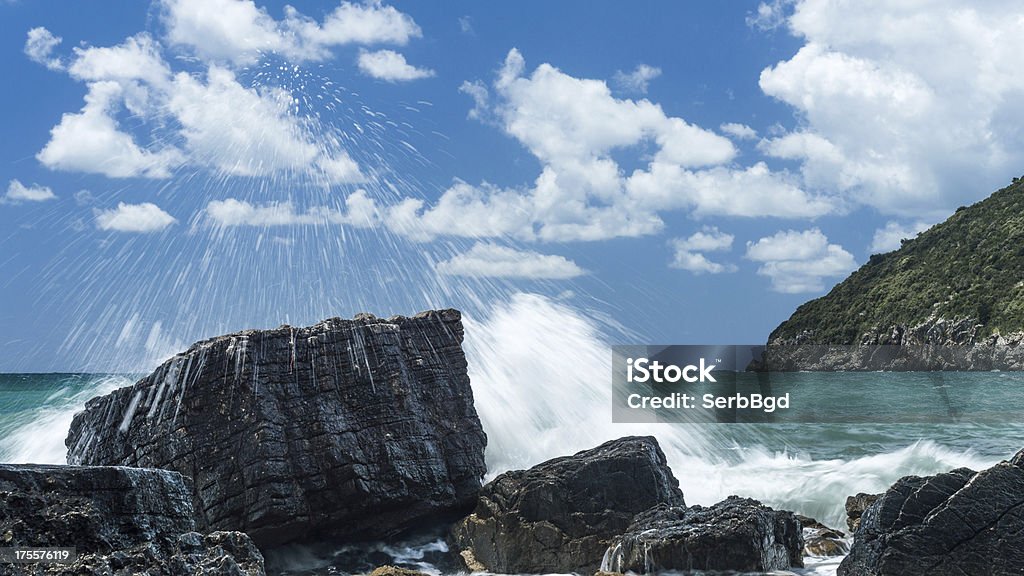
{"points": [[560, 515], [736, 534], [345, 430], [855, 507], [959, 522], [120, 521]]}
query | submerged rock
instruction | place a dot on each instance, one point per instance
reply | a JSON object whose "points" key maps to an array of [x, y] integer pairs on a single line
{"points": [[960, 522], [560, 515], [395, 571], [121, 521], [736, 534], [345, 430], [820, 540], [855, 507]]}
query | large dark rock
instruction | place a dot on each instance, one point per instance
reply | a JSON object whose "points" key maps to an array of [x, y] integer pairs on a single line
{"points": [[736, 534], [121, 521], [347, 430], [956, 523], [560, 515]]}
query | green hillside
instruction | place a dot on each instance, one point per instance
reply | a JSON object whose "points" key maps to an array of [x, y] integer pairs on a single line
{"points": [[970, 266]]}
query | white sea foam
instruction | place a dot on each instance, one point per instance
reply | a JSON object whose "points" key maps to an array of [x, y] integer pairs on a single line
{"points": [[36, 436], [541, 374]]}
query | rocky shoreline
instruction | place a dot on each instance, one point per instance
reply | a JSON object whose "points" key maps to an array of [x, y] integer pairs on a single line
{"points": [[356, 430]]}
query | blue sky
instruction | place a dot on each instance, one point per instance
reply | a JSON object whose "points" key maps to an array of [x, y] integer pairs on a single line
{"points": [[689, 172]]}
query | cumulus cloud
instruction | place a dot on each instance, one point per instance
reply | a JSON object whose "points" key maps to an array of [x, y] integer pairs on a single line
{"points": [[18, 193], [241, 131], [137, 58], [145, 217], [91, 141], [688, 252], [636, 82], [906, 121], [220, 124], [209, 119], [769, 15], [573, 126], [238, 31], [39, 48], [797, 262], [889, 238], [486, 260], [390, 66], [738, 131], [360, 211]]}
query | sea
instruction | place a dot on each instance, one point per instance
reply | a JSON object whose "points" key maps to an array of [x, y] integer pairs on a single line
{"points": [[541, 382]]}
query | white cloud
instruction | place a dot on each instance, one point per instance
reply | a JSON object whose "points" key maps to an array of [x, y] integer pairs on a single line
{"points": [[769, 15], [39, 48], [221, 124], [390, 66], [738, 131], [574, 127], [360, 211], [799, 262], [911, 108], [145, 217], [481, 99], [91, 141], [18, 193], [708, 239], [137, 58], [751, 192], [485, 260], [688, 252], [466, 25], [236, 129], [237, 31], [636, 82], [889, 238]]}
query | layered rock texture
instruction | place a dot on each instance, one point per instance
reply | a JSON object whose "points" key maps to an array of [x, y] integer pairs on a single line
{"points": [[560, 516], [737, 534], [956, 285], [956, 523], [121, 521], [348, 429]]}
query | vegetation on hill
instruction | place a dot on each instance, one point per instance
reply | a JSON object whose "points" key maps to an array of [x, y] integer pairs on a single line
{"points": [[970, 266]]}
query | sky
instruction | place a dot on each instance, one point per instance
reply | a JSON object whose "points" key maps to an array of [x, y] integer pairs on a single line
{"points": [[684, 172]]}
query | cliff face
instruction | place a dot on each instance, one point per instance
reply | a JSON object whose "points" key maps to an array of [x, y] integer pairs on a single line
{"points": [[959, 283], [348, 429]]}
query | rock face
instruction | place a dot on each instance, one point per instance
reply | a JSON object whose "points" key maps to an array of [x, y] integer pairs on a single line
{"points": [[560, 515], [348, 429], [960, 522], [120, 521], [736, 534]]}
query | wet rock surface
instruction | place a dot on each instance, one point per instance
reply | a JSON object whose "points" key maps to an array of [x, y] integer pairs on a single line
{"points": [[737, 534], [960, 522], [348, 429], [855, 506], [559, 516], [820, 540], [121, 521]]}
